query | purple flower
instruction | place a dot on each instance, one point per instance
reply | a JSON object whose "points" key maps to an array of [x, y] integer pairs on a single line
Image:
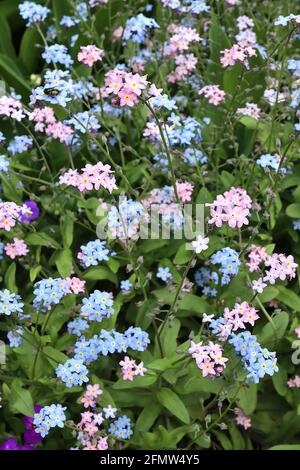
{"points": [[30, 436], [11, 444], [33, 212]]}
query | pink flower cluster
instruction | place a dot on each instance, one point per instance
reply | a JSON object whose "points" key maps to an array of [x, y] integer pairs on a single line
{"points": [[297, 331], [232, 207], [185, 64], [294, 382], [11, 108], [91, 177], [242, 419], [10, 213], [209, 358], [127, 87], [130, 369], [180, 40], [90, 395], [94, 3], [177, 47], [45, 121], [88, 55], [246, 36], [16, 248], [75, 284], [236, 54], [251, 110], [237, 318], [184, 190], [273, 267], [213, 93], [90, 434]]}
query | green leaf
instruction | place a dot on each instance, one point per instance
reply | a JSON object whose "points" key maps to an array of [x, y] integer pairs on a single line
{"points": [[194, 303], [67, 229], [218, 41], [54, 356], [147, 418], [9, 66], [10, 278], [280, 323], [160, 364], [6, 45], [99, 274], [20, 399], [173, 403], [41, 239], [64, 262], [286, 447], [113, 264], [293, 210], [247, 398], [182, 256], [203, 442], [289, 298], [34, 272], [138, 382], [223, 439], [168, 338], [236, 437], [280, 381], [9, 7], [29, 53]]}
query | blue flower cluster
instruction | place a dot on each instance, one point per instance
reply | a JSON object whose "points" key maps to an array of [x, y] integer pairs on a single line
{"points": [[82, 11], [94, 252], [33, 12], [126, 286], [68, 89], [10, 303], [296, 224], [15, 338], [294, 65], [19, 144], [270, 161], [57, 54], [73, 372], [284, 20], [121, 428], [109, 342], [84, 122], [207, 280], [77, 326], [68, 21], [1, 250], [97, 306], [2, 138], [229, 261], [138, 27], [49, 417], [124, 220], [257, 361], [184, 132], [163, 101], [189, 6], [164, 274], [4, 164], [194, 156], [49, 292]]}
